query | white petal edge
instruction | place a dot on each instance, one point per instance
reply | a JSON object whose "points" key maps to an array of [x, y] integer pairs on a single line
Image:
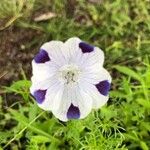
{"points": [[94, 76], [74, 53], [43, 71], [98, 100], [56, 52], [53, 87], [53, 94], [92, 59], [84, 103], [62, 104]]}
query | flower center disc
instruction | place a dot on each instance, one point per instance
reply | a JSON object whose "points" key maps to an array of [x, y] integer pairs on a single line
{"points": [[69, 74]]}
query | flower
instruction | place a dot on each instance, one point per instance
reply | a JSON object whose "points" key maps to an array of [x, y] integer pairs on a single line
{"points": [[69, 78]]}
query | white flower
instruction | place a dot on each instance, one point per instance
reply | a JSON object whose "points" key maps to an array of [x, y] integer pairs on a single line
{"points": [[69, 78]]}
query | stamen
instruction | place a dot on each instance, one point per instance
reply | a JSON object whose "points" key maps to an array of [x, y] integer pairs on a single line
{"points": [[69, 74]]}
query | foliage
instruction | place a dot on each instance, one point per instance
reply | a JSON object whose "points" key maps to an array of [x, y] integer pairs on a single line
{"points": [[121, 28]]}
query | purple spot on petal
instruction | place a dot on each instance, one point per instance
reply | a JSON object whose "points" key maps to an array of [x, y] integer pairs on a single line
{"points": [[40, 95], [41, 57], [86, 48], [103, 87], [73, 112]]}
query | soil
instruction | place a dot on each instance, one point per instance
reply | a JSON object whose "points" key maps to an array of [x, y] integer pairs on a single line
{"points": [[15, 55]]}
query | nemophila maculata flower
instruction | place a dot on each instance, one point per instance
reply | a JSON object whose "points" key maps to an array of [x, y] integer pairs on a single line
{"points": [[69, 78]]}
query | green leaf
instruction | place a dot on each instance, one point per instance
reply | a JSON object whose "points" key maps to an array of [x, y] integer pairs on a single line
{"points": [[30, 125], [4, 136], [129, 72], [144, 103], [21, 84], [144, 145], [20, 87], [39, 139]]}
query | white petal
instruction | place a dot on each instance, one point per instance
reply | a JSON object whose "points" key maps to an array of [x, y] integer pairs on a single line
{"points": [[93, 60], [62, 104], [95, 76], [76, 96], [84, 102], [43, 71], [72, 46], [83, 60], [56, 52], [74, 53], [53, 94], [97, 98], [45, 84]]}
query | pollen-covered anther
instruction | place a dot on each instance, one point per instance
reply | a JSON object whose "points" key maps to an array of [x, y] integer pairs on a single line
{"points": [[69, 74]]}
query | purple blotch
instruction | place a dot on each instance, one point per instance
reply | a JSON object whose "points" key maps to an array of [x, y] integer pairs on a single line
{"points": [[41, 57], [86, 48], [40, 95], [73, 112], [103, 87]]}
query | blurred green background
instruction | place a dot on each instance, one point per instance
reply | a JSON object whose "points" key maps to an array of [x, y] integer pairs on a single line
{"points": [[121, 28]]}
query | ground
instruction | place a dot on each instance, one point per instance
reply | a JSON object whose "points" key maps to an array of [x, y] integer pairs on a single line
{"points": [[121, 28]]}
